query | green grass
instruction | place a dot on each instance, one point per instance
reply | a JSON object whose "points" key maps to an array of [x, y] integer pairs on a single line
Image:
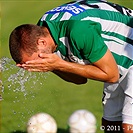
{"points": [[51, 94]]}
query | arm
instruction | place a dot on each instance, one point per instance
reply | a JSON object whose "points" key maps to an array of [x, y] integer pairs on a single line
{"points": [[104, 69]]}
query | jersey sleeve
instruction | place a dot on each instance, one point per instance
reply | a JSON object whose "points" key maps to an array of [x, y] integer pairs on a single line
{"points": [[86, 35]]}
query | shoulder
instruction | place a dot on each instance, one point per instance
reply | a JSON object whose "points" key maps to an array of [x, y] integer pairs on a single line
{"points": [[83, 27]]}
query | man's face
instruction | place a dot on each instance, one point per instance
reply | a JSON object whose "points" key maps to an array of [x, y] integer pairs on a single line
{"points": [[35, 56], [26, 57], [44, 45]]}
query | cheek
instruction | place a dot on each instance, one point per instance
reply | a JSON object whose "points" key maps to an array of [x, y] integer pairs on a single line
{"points": [[46, 51], [34, 56], [29, 58]]}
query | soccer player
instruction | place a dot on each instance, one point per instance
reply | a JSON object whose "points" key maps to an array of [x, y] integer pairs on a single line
{"points": [[84, 40]]}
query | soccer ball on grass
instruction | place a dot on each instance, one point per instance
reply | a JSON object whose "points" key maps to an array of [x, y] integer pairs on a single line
{"points": [[82, 121], [41, 123]]}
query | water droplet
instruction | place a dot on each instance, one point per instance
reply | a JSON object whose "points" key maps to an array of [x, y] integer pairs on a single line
{"points": [[14, 112], [18, 125], [15, 80]]}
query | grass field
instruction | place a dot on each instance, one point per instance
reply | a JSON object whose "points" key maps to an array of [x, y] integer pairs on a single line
{"points": [[49, 94]]}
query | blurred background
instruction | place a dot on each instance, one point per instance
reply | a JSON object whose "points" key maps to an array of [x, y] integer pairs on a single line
{"points": [[25, 94]]}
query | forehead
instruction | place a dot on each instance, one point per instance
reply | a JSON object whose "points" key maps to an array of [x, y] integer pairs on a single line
{"points": [[26, 57]]}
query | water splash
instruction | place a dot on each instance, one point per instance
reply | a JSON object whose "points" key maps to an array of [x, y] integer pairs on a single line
{"points": [[20, 76], [19, 89], [1, 89], [14, 82]]}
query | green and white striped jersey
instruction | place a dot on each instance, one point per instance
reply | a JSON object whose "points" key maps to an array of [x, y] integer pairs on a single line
{"points": [[84, 29]]}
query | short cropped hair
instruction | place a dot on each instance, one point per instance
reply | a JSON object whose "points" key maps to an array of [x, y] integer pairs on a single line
{"points": [[24, 38]]}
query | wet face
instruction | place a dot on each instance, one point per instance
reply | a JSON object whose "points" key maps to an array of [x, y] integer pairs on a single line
{"points": [[26, 57], [44, 44], [48, 49]]}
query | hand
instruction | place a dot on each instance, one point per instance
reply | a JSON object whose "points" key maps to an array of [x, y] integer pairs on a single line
{"points": [[46, 62]]}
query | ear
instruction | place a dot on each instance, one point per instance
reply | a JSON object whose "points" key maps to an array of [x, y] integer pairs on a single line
{"points": [[41, 42]]}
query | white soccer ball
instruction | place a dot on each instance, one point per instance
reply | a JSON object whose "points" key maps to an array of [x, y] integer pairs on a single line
{"points": [[82, 121], [41, 123]]}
